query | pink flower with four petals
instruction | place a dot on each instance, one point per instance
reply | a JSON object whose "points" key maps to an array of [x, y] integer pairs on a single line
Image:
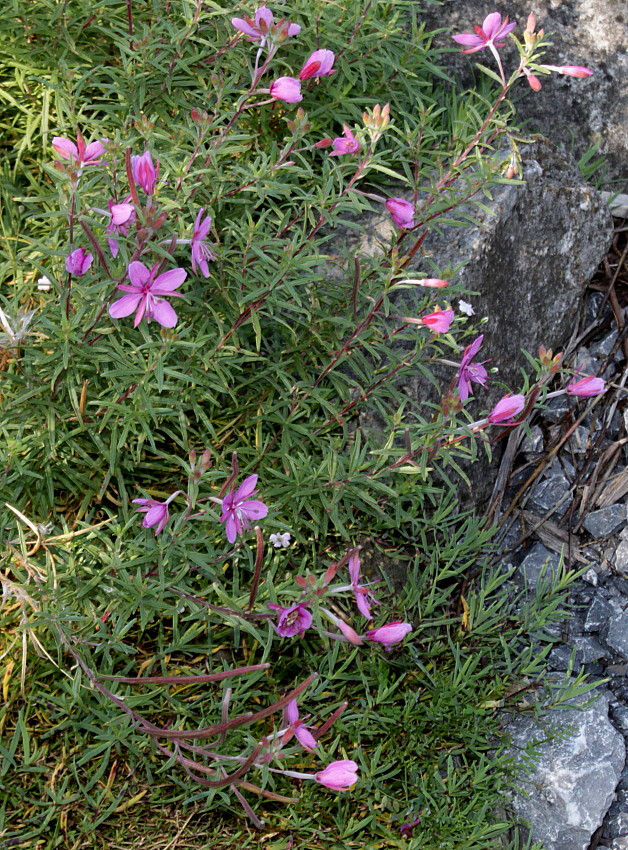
{"points": [[201, 252], [144, 293], [292, 621], [259, 28], [348, 144], [80, 152], [487, 35], [239, 508], [470, 371]]}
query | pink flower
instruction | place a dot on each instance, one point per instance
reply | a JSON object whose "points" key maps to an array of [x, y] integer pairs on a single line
{"points": [[569, 70], [486, 35], [292, 621], [201, 252], [587, 387], [348, 144], [144, 290], [264, 25], [287, 89], [144, 172], [121, 217], [469, 371], [339, 775], [78, 262], [390, 634], [506, 408], [239, 508], [438, 322], [402, 212], [298, 727], [320, 64], [80, 153], [363, 597], [157, 514]]}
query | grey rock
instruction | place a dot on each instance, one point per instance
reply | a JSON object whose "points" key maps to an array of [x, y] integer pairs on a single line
{"points": [[621, 555], [603, 347], [560, 658], [573, 112], [598, 615], [591, 577], [573, 783], [538, 563], [580, 441], [589, 650], [549, 491], [532, 444], [620, 843], [617, 637], [618, 821], [605, 521], [557, 409]]}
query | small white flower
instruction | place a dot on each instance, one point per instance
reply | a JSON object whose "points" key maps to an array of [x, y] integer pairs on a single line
{"points": [[44, 283], [280, 541], [465, 308]]}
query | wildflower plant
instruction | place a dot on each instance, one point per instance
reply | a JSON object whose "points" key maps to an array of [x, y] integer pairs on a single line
{"points": [[188, 491]]}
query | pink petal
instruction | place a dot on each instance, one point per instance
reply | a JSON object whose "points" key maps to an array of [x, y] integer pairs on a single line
{"points": [[363, 606], [354, 569], [254, 509], [247, 29], [124, 306], [232, 528], [305, 738], [492, 24], [469, 39], [138, 273], [264, 14], [292, 710], [245, 489], [65, 148], [164, 313], [93, 151], [121, 213], [168, 281]]}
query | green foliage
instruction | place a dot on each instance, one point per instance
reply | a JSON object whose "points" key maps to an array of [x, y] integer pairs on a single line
{"points": [[292, 355]]}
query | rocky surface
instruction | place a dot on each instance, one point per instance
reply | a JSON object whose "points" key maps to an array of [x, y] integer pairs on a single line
{"points": [[574, 113], [548, 235], [573, 517], [573, 784]]}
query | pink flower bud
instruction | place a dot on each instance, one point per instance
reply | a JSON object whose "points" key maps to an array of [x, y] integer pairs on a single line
{"points": [[287, 89], [587, 387], [569, 70], [320, 64], [323, 143], [339, 775], [144, 172], [78, 262], [507, 408], [402, 212], [390, 634]]}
